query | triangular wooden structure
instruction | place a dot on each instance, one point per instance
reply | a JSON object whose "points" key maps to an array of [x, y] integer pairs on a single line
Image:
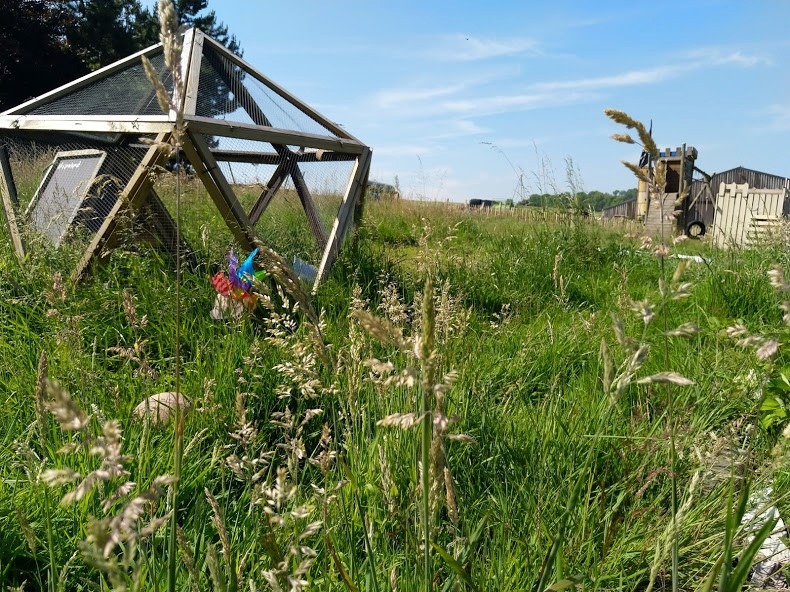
{"points": [[232, 114]]}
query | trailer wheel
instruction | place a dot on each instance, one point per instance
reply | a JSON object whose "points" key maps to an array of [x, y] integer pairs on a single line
{"points": [[695, 229]]}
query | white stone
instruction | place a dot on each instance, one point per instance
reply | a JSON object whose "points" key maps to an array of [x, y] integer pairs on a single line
{"points": [[162, 406]]}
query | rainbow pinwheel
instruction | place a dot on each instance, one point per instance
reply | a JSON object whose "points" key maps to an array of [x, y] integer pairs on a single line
{"points": [[237, 284]]}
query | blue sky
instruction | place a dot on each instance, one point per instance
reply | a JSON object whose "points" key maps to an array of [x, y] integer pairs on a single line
{"points": [[461, 99]]}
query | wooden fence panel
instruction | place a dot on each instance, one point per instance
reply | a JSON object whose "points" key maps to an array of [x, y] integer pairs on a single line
{"points": [[745, 216]]}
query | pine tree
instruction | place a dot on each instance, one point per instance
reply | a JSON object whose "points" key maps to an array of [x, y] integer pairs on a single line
{"points": [[47, 43]]}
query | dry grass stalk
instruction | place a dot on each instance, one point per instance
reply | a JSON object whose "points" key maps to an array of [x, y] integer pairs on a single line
{"points": [[421, 350], [41, 397], [27, 531], [218, 520], [69, 415], [172, 46], [126, 528], [279, 270], [188, 557]]}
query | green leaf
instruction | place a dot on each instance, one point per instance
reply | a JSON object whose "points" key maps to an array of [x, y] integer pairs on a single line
{"points": [[734, 520], [774, 410], [339, 564], [457, 568], [746, 557], [711, 579], [569, 582]]}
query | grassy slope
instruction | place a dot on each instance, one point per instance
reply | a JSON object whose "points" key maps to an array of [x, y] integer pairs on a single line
{"points": [[529, 391]]}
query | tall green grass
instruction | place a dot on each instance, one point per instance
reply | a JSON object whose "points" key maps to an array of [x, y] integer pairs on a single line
{"points": [[521, 310]]}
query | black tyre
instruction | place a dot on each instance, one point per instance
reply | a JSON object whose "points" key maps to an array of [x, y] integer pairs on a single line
{"points": [[695, 229]]}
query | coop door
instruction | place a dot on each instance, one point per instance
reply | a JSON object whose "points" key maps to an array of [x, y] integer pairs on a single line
{"points": [[63, 192]]}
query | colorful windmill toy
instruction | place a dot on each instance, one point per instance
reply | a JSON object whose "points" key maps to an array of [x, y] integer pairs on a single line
{"points": [[237, 284]]}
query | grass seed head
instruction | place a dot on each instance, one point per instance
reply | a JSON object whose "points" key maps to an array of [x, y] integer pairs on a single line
{"points": [[624, 138], [776, 277], [69, 415]]}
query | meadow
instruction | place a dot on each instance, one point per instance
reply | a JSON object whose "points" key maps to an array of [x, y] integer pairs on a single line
{"points": [[593, 422]]}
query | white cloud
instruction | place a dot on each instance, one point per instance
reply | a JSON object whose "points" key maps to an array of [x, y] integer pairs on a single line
{"points": [[458, 128], [506, 103], [463, 48], [398, 96], [694, 60], [633, 77], [722, 56], [564, 92], [411, 96]]}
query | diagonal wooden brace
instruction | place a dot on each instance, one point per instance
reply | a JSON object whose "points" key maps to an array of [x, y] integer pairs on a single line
{"points": [[132, 197]]}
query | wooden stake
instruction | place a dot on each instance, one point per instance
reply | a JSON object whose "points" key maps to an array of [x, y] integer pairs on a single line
{"points": [[10, 203]]}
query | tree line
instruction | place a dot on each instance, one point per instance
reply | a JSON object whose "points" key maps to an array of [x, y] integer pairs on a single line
{"points": [[582, 200], [48, 43]]}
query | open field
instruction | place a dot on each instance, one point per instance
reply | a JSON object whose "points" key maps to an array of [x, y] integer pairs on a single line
{"points": [[572, 468]]}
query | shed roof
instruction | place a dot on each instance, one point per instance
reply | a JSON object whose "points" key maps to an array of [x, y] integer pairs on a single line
{"points": [[740, 174]]}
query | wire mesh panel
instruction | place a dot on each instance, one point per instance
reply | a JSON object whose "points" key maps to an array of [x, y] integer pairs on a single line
{"points": [[215, 97], [201, 224], [285, 227], [127, 92], [225, 91], [68, 183], [327, 183], [292, 196]]}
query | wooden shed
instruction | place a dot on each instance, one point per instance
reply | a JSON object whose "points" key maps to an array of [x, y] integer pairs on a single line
{"points": [[703, 194], [82, 160]]}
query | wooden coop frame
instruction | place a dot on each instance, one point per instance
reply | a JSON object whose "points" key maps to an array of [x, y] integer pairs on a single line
{"points": [[138, 195]]}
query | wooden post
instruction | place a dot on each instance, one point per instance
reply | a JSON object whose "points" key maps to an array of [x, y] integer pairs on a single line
{"points": [[352, 196], [191, 56], [10, 203], [133, 196]]}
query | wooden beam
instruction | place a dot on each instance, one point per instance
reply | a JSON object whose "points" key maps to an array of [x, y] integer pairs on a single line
{"points": [[10, 203], [359, 207], [273, 158], [8, 176], [302, 106], [206, 167], [149, 124], [274, 184], [220, 127], [347, 207], [133, 196], [192, 55]]}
